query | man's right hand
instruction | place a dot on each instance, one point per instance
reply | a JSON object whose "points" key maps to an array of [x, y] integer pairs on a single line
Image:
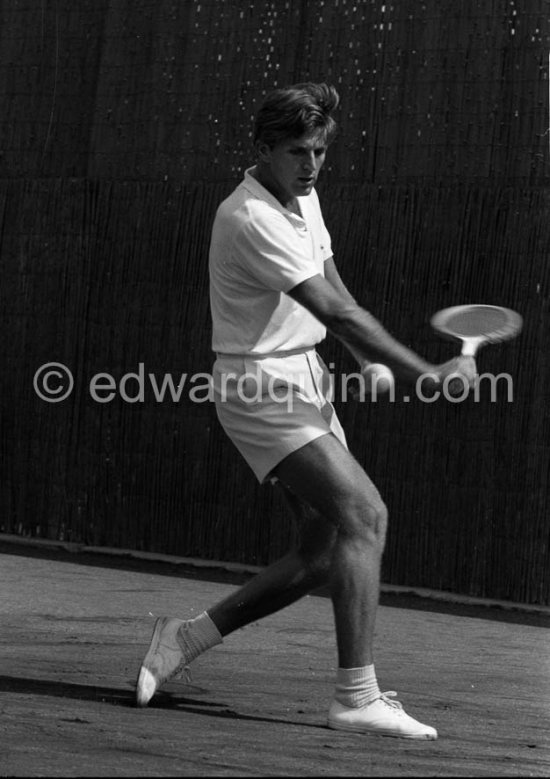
{"points": [[465, 370]]}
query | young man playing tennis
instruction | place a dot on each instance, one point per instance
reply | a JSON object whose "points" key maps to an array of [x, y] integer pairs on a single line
{"points": [[275, 291]]}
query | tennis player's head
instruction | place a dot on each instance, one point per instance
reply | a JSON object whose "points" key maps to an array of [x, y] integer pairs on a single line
{"points": [[292, 132]]}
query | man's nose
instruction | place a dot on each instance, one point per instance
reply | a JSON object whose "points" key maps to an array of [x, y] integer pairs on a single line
{"points": [[309, 162]]}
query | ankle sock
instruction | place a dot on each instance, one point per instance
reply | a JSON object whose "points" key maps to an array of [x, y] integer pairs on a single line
{"points": [[197, 635], [356, 687]]}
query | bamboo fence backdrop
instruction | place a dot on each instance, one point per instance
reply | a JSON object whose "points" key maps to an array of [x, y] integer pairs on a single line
{"points": [[123, 126]]}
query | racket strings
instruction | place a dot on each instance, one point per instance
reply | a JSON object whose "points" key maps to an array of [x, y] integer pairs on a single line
{"points": [[479, 322], [492, 323]]}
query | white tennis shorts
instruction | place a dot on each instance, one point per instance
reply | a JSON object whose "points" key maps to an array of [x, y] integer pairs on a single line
{"points": [[273, 405]]}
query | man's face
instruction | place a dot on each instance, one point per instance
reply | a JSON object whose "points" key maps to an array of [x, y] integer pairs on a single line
{"points": [[290, 169]]}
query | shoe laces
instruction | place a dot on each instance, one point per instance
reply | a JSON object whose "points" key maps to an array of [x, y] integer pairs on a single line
{"points": [[386, 697], [183, 672]]}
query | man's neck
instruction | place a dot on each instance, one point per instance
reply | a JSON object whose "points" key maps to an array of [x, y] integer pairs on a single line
{"points": [[290, 202]]}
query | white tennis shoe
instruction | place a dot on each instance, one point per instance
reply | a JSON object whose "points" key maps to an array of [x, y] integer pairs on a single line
{"points": [[383, 717], [164, 659]]}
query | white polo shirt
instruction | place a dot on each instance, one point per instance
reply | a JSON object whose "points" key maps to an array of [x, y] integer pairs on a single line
{"points": [[259, 251]]}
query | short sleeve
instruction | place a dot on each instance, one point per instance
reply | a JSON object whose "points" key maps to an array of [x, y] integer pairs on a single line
{"points": [[274, 252]]}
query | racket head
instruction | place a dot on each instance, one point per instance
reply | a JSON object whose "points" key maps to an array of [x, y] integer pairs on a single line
{"points": [[488, 324]]}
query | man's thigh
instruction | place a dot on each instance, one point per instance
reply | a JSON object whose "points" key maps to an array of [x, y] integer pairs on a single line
{"points": [[325, 475]]}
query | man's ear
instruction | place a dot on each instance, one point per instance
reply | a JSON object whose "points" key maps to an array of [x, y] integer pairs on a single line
{"points": [[263, 151]]}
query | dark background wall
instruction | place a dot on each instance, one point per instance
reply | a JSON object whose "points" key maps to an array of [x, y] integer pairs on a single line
{"points": [[124, 124]]}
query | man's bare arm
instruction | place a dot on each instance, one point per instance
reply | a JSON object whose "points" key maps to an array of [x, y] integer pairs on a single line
{"points": [[329, 300]]}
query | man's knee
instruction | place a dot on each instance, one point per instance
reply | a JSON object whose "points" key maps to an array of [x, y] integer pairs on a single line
{"points": [[364, 517]]}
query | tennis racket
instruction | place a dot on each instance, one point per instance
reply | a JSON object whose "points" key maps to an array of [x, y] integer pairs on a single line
{"points": [[476, 325]]}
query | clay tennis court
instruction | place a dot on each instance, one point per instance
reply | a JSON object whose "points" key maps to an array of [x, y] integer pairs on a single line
{"points": [[75, 627]]}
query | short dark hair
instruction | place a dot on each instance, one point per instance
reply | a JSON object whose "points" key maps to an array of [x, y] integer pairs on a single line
{"points": [[292, 111]]}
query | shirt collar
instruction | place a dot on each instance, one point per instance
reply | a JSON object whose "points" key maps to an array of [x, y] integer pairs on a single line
{"points": [[258, 190]]}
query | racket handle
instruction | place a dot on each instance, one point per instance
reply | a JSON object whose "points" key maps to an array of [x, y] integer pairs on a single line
{"points": [[470, 346]]}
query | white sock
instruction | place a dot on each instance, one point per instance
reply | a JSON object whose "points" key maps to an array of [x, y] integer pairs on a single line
{"points": [[356, 687], [197, 635]]}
